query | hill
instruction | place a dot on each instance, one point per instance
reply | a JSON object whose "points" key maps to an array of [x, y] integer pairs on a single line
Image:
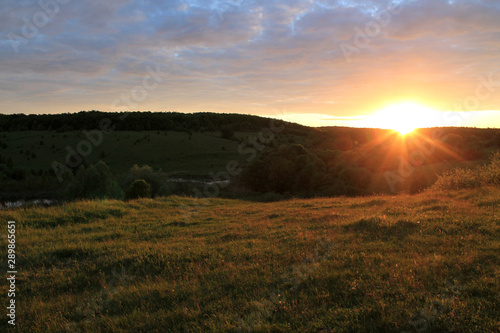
{"points": [[407, 263], [180, 145], [285, 158]]}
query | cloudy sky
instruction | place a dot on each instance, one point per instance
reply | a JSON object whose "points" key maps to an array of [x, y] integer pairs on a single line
{"points": [[329, 62]]}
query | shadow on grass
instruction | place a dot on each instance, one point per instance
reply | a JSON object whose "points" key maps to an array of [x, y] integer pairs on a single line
{"points": [[182, 224], [368, 204], [435, 208], [491, 203], [72, 253], [375, 227], [76, 217]]}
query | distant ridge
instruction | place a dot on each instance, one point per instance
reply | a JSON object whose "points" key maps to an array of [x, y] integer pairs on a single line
{"points": [[137, 120]]}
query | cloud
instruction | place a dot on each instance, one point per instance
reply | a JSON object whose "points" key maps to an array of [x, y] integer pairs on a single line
{"points": [[249, 56]]}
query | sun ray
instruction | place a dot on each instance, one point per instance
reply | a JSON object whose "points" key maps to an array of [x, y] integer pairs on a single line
{"points": [[404, 117]]}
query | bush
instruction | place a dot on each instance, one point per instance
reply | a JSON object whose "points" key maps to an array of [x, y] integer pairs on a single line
{"points": [[293, 169], [138, 189], [461, 178], [492, 171], [457, 179], [156, 179], [94, 182]]}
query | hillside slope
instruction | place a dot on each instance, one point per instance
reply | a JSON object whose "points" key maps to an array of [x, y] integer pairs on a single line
{"points": [[426, 263], [38, 151]]}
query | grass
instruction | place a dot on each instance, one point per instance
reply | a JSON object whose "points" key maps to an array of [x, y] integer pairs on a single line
{"points": [[422, 263], [178, 153], [169, 150]]}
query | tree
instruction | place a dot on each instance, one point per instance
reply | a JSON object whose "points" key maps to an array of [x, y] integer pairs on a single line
{"points": [[156, 179], [94, 182], [280, 174], [227, 132], [138, 189]]}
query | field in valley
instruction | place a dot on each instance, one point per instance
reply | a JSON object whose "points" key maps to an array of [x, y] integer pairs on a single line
{"points": [[422, 263], [171, 151]]}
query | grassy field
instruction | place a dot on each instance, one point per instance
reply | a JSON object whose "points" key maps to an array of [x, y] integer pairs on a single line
{"points": [[422, 263], [178, 153], [171, 151], [27, 157]]}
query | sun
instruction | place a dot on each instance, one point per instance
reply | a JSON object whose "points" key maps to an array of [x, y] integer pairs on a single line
{"points": [[404, 117]]}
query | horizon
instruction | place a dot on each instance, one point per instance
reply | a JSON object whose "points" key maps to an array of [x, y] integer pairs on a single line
{"points": [[362, 123], [320, 63]]}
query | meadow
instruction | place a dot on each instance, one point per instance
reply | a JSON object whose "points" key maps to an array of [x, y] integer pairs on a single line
{"points": [[40, 155], [178, 153], [406, 263]]}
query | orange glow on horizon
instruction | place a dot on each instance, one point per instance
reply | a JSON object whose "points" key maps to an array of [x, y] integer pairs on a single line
{"points": [[404, 117]]}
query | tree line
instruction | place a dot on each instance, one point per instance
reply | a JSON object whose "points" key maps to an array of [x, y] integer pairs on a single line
{"points": [[138, 121]]}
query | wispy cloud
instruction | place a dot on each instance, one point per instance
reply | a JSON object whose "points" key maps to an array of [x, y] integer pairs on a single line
{"points": [[241, 56]]}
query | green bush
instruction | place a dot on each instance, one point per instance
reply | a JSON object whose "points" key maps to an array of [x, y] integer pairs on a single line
{"points": [[94, 182], [461, 178], [138, 189], [492, 171], [302, 172], [158, 180]]}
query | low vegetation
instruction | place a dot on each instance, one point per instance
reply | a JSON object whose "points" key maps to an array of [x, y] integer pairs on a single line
{"points": [[138, 189], [407, 263], [461, 178], [35, 150]]}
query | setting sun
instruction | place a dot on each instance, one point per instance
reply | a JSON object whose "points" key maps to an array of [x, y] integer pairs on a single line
{"points": [[404, 117]]}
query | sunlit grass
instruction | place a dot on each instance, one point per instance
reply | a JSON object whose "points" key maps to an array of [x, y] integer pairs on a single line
{"points": [[141, 266]]}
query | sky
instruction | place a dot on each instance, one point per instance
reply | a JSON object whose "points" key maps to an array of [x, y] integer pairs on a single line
{"points": [[319, 63]]}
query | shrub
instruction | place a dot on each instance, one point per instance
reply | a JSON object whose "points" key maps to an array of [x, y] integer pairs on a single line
{"points": [[138, 189], [156, 179], [492, 171], [293, 169], [94, 182], [461, 178]]}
